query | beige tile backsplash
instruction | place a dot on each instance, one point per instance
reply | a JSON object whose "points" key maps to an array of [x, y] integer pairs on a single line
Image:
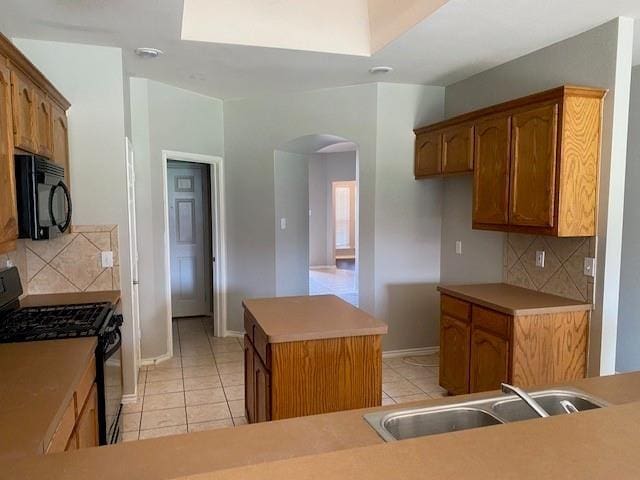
{"points": [[69, 263], [563, 271]]}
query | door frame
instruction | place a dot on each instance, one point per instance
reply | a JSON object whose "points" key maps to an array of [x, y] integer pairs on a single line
{"points": [[218, 238], [133, 246]]}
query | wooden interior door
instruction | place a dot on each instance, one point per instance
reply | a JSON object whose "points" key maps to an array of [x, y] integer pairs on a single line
{"points": [[492, 150], [43, 127], [262, 390], [8, 212], [60, 138], [87, 423], [428, 154], [23, 112], [457, 149], [455, 337], [533, 167], [249, 381], [489, 361]]}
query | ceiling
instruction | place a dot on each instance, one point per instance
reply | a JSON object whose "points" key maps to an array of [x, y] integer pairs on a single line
{"points": [[460, 39]]}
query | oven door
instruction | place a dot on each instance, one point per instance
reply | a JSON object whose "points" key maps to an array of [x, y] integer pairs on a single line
{"points": [[112, 365]]}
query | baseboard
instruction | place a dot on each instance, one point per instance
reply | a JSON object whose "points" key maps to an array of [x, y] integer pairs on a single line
{"points": [[130, 397], [233, 333], [410, 351], [152, 361], [321, 266]]}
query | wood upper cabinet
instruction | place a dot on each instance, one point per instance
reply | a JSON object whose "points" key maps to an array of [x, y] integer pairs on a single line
{"points": [[43, 124], [60, 138], [489, 361], [428, 161], [457, 149], [533, 167], [24, 111], [492, 150], [8, 212]]}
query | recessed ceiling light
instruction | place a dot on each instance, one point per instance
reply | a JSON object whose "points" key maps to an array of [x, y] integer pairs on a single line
{"points": [[147, 52], [380, 69]]}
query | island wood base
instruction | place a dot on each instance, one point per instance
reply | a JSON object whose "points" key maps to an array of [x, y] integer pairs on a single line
{"points": [[308, 377]]}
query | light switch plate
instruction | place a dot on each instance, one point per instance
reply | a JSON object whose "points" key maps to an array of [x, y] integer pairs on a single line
{"points": [[283, 224], [590, 266], [458, 247], [540, 258], [106, 259]]}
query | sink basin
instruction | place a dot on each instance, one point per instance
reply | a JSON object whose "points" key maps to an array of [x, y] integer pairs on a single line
{"points": [[417, 422], [514, 410], [429, 421]]}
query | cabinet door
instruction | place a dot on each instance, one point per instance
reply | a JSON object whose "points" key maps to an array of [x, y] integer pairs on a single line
{"points": [[8, 212], [249, 381], [262, 390], [457, 150], [24, 108], [60, 138], [428, 159], [489, 361], [454, 355], [491, 172], [87, 423], [44, 124], [533, 167]]}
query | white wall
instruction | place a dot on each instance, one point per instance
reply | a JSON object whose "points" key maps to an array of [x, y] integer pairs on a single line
{"points": [[602, 58], [628, 353], [163, 118], [324, 169], [291, 200], [92, 80], [407, 219]]}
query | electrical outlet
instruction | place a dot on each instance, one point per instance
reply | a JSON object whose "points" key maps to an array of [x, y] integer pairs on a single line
{"points": [[458, 247], [283, 224], [590, 266], [106, 259], [540, 258]]}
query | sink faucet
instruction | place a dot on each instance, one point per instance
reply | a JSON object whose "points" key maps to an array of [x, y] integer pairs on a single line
{"points": [[535, 406]]}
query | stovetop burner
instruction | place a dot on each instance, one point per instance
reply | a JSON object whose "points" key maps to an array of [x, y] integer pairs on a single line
{"points": [[44, 323]]}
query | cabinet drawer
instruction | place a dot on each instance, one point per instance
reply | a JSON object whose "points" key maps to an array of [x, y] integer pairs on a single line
{"points": [[86, 382], [490, 320], [261, 345], [60, 438], [248, 325], [455, 308]]}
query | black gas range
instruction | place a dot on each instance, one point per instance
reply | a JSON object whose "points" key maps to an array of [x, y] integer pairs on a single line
{"points": [[71, 321]]}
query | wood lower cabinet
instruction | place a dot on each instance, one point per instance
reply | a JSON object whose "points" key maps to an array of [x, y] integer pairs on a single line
{"points": [[298, 378], [8, 212], [78, 427], [481, 348]]}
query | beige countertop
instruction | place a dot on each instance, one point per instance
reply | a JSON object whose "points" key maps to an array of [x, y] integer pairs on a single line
{"points": [[37, 381], [342, 445], [513, 300], [75, 298], [290, 319]]}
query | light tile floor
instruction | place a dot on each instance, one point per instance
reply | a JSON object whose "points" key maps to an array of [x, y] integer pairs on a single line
{"points": [[336, 281], [202, 386]]}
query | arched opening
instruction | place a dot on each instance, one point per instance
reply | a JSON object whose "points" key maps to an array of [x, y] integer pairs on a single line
{"points": [[317, 217]]}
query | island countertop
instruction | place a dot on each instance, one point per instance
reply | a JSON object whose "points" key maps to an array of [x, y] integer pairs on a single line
{"points": [[291, 319], [513, 300], [37, 381], [343, 446]]}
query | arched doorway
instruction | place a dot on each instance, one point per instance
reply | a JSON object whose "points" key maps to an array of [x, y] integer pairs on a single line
{"points": [[317, 217]]}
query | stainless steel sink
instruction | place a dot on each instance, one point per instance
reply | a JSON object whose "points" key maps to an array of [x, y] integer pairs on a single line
{"points": [[417, 422]]}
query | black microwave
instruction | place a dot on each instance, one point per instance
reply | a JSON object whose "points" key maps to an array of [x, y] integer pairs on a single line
{"points": [[44, 201]]}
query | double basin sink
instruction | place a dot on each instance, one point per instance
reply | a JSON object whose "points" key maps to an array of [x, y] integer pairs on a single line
{"points": [[418, 422]]}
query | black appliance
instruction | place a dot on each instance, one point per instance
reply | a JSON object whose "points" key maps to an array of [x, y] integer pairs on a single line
{"points": [[44, 201], [69, 321]]}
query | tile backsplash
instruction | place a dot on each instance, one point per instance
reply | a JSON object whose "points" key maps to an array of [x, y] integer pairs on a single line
{"points": [[69, 263], [564, 265]]}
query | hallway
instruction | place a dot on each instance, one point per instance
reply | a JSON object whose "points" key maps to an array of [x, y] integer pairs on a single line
{"points": [[336, 281]]}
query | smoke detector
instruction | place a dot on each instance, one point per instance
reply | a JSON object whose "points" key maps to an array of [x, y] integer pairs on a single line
{"points": [[380, 69], [147, 52]]}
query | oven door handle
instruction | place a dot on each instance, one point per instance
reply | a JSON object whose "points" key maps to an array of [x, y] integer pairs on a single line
{"points": [[62, 227], [115, 346]]}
